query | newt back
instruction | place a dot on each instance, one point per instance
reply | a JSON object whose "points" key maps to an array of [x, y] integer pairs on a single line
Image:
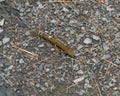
{"points": [[68, 51]]}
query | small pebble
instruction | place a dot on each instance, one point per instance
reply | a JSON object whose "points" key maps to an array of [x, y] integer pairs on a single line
{"points": [[104, 19], [73, 21], [72, 32], [79, 47], [106, 56], [112, 82], [25, 44], [6, 40], [28, 10], [96, 37], [81, 78], [85, 12], [37, 85], [21, 61], [41, 45], [80, 72], [77, 54], [78, 38], [81, 0], [105, 46], [22, 10], [87, 41], [10, 67], [52, 49], [65, 9], [87, 84], [83, 28], [39, 5], [1, 64], [27, 33], [97, 13], [42, 88], [94, 60], [2, 0], [46, 84], [2, 22], [53, 21], [93, 29], [0, 43], [109, 8], [117, 61], [1, 30], [47, 69], [75, 67]]}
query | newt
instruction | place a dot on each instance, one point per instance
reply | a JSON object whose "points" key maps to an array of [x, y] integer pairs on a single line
{"points": [[66, 50]]}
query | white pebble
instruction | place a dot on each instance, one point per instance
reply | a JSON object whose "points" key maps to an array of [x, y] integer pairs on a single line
{"points": [[79, 79], [87, 41], [96, 37], [1, 30], [105, 46], [79, 47], [21, 61], [6, 40], [106, 56], [2, 22], [40, 5], [65, 9], [53, 21], [41, 45], [10, 67], [2, 0]]}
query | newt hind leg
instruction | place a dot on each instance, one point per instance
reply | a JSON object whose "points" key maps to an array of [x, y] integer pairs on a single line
{"points": [[57, 50]]}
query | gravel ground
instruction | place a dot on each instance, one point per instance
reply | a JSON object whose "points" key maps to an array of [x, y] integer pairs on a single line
{"points": [[30, 66]]}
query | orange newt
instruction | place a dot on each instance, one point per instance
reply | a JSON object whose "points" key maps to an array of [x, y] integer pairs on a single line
{"points": [[68, 51]]}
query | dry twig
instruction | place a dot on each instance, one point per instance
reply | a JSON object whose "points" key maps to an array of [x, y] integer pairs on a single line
{"points": [[23, 50]]}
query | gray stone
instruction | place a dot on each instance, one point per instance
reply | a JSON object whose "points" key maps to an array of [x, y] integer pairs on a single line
{"points": [[53, 21], [40, 6], [21, 61], [87, 41], [2, 22], [1, 30], [105, 46], [6, 40], [1, 64], [96, 37], [79, 47], [46, 84], [2, 0], [65, 9], [117, 61], [106, 56], [37, 85], [78, 38], [41, 45]]}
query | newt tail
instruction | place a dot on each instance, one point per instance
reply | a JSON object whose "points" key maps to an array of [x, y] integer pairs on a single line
{"points": [[68, 51]]}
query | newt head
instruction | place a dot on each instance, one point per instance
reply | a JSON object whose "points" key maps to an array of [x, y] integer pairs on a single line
{"points": [[70, 52]]}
